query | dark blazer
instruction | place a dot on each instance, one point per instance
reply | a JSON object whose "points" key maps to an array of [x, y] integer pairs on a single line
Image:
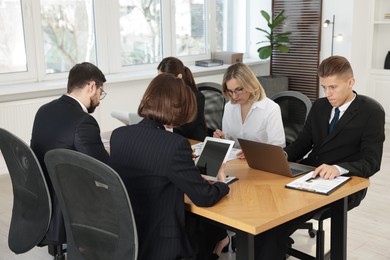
{"points": [[356, 142], [197, 129], [62, 123], [157, 169]]}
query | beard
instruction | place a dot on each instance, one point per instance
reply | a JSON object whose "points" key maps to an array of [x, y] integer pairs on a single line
{"points": [[92, 106]]}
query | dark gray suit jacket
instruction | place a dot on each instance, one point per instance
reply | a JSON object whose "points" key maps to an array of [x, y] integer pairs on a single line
{"points": [[62, 123], [356, 142], [157, 169]]}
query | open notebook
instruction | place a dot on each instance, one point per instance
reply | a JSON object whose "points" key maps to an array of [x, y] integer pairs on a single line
{"points": [[212, 154]]}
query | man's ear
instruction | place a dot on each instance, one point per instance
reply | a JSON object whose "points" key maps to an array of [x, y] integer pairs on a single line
{"points": [[91, 87]]}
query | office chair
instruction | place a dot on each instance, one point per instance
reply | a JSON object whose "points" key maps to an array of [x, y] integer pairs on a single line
{"points": [[97, 212], [214, 105], [126, 118], [32, 205], [294, 107]]}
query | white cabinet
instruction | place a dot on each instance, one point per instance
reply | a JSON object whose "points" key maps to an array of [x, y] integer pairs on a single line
{"points": [[379, 83], [380, 35]]}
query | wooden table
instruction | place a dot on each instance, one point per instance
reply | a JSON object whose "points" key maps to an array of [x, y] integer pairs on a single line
{"points": [[258, 201]]}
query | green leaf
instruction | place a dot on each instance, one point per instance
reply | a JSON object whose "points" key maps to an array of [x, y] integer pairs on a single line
{"points": [[282, 48], [264, 52], [265, 15]]}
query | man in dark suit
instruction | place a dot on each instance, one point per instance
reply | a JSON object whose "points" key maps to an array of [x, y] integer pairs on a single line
{"points": [[66, 123], [343, 135]]}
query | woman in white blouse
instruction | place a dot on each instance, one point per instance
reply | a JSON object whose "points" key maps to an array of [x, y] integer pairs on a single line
{"points": [[249, 114]]}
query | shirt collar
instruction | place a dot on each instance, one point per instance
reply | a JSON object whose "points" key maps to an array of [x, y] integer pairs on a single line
{"points": [[81, 104]]}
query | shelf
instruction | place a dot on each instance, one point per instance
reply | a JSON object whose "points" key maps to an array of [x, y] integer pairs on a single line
{"points": [[381, 72], [382, 22]]}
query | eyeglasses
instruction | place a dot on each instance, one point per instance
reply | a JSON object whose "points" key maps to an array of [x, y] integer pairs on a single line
{"points": [[103, 94], [238, 91]]}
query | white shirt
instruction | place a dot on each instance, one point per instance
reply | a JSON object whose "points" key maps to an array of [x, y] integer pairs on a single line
{"points": [[81, 104], [263, 123]]}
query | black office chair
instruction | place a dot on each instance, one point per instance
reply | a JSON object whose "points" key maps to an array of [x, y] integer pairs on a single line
{"points": [[32, 208], [214, 105], [295, 107], [97, 212]]}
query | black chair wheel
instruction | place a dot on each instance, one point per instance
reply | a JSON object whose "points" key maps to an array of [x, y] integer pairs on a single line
{"points": [[233, 242], [312, 233]]}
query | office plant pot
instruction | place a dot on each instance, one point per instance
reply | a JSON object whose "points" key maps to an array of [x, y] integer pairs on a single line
{"points": [[273, 84]]}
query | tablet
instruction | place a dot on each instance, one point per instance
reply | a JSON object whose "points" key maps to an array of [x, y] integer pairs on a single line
{"points": [[213, 153]]}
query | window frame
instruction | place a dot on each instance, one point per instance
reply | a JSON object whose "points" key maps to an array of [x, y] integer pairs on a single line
{"points": [[107, 47]]}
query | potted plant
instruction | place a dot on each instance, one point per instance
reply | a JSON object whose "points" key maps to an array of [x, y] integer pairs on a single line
{"points": [[275, 41]]}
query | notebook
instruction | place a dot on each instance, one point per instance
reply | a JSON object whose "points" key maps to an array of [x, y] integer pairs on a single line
{"points": [[213, 153], [271, 158]]}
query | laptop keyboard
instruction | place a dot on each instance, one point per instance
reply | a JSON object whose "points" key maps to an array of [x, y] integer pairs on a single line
{"points": [[296, 171]]}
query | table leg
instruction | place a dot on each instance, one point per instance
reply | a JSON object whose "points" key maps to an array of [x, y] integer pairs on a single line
{"points": [[338, 232], [245, 246]]}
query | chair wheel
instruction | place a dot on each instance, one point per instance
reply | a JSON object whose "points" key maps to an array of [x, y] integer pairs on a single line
{"points": [[312, 232], [233, 243]]}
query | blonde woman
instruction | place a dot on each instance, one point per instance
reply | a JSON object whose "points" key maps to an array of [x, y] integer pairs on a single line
{"points": [[249, 114]]}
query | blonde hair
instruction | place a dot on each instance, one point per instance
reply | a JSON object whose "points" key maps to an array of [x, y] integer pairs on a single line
{"points": [[248, 80]]}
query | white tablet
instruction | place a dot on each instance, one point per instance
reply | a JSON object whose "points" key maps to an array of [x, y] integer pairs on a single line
{"points": [[213, 153]]}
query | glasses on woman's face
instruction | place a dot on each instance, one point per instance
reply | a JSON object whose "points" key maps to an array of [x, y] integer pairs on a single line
{"points": [[238, 91], [103, 94]]}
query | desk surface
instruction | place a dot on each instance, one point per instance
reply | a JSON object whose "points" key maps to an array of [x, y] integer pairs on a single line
{"points": [[258, 201]]}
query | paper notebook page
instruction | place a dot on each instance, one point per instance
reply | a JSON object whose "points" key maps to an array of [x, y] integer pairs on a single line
{"points": [[318, 185]]}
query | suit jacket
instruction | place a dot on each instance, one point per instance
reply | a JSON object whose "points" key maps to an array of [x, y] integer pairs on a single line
{"points": [[62, 123], [157, 169], [197, 129], [356, 142]]}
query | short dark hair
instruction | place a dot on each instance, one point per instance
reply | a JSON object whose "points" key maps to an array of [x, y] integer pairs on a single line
{"points": [[82, 73], [335, 65], [169, 101]]}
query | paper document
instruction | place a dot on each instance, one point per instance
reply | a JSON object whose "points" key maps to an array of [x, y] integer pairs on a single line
{"points": [[317, 185]]}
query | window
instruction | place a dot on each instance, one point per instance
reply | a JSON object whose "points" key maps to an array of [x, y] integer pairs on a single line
{"points": [[140, 31], [12, 47], [42, 40], [68, 33]]}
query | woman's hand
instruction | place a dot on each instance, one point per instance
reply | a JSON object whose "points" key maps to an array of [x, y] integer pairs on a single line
{"points": [[218, 134], [240, 155], [221, 173]]}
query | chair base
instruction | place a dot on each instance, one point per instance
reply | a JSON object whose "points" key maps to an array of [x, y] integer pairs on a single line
{"points": [[57, 251]]}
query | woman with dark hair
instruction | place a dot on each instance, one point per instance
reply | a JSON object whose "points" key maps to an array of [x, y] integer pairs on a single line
{"points": [[196, 129], [157, 169]]}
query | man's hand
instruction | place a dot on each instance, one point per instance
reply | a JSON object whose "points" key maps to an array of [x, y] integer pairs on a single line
{"points": [[326, 171], [218, 134]]}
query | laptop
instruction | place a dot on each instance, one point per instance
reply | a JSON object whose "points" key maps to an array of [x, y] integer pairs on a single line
{"points": [[213, 153], [271, 158]]}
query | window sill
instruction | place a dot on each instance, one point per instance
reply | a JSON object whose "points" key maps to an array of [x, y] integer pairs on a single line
{"points": [[14, 92]]}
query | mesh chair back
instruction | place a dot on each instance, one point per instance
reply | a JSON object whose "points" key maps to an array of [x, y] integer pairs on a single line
{"points": [[214, 105], [31, 210], [97, 212], [294, 107]]}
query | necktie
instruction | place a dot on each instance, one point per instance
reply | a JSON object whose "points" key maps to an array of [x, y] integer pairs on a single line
{"points": [[334, 119]]}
